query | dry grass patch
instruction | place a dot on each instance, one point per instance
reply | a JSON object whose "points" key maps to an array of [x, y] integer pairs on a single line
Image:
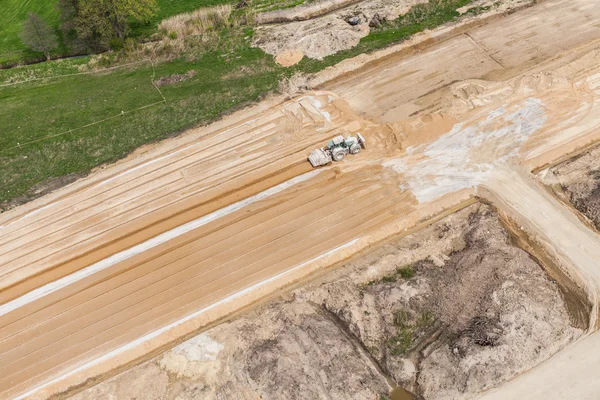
{"points": [[196, 22], [175, 78]]}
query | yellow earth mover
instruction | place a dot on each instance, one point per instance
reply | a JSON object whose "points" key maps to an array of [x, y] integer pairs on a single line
{"points": [[336, 149]]}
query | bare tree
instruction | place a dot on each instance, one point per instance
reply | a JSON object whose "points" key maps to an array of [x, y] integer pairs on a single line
{"points": [[38, 35]]}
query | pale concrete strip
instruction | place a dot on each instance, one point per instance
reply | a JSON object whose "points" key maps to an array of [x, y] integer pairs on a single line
{"points": [[570, 374]]}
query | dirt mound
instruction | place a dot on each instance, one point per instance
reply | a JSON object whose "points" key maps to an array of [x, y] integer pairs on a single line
{"points": [[578, 181], [289, 58], [316, 38], [331, 33], [302, 12]]}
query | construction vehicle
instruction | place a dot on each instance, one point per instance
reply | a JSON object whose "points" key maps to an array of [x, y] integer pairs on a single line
{"points": [[336, 149]]}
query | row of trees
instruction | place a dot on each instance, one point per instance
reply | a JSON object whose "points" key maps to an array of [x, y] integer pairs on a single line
{"points": [[87, 25]]}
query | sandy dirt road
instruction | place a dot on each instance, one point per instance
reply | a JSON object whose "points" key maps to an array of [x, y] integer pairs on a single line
{"points": [[87, 270], [570, 374]]}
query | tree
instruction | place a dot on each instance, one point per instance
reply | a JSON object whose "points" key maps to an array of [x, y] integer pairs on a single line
{"points": [[38, 35], [69, 11], [109, 19]]}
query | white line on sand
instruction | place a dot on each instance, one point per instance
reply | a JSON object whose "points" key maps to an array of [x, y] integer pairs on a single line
{"points": [[162, 330], [148, 244]]}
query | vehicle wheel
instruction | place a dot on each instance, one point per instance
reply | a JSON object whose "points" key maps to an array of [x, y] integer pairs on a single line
{"points": [[338, 156], [355, 149]]}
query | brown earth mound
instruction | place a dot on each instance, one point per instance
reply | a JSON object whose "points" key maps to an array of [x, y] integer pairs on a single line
{"points": [[578, 181]]}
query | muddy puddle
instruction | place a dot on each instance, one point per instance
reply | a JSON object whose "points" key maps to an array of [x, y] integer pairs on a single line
{"points": [[402, 394]]}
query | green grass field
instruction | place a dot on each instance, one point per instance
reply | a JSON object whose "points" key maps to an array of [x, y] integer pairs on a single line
{"points": [[60, 122]]}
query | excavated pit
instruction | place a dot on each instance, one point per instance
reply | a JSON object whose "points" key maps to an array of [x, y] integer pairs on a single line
{"points": [[446, 312]]}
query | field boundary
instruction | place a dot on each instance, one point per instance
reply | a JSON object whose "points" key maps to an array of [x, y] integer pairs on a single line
{"points": [[74, 74]]}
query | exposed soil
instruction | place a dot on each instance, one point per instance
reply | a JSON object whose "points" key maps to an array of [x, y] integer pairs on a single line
{"points": [[176, 78], [285, 350], [476, 312], [578, 181], [341, 29], [302, 12], [328, 34], [41, 189], [122, 306], [446, 312]]}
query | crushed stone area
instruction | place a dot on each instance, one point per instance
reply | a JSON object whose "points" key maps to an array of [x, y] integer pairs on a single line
{"points": [[446, 312], [342, 29], [577, 181]]}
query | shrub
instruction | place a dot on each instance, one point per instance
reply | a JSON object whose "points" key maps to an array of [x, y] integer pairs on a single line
{"points": [[400, 343], [116, 44], [425, 319], [406, 272], [401, 318], [130, 45]]}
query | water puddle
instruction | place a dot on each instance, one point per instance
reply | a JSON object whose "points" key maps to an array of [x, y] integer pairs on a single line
{"points": [[402, 394]]}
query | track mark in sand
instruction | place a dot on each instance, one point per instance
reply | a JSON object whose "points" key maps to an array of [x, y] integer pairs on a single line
{"points": [[155, 241], [312, 105], [484, 50], [164, 329], [89, 232]]}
